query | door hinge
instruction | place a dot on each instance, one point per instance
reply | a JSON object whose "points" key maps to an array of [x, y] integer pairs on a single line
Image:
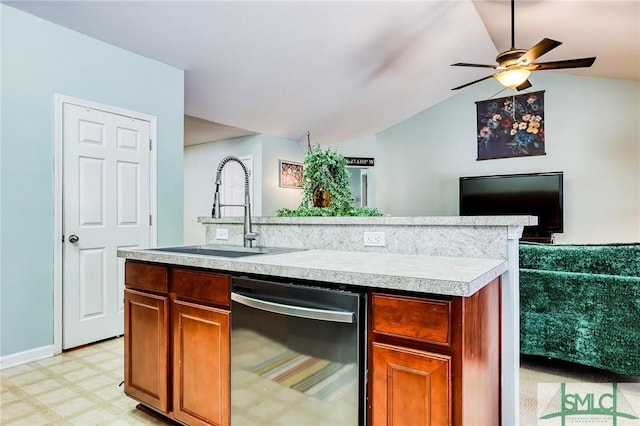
{"points": [[150, 144], [150, 220]]}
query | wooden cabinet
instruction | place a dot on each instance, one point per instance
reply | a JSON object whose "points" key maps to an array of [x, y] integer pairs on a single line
{"points": [[177, 342], [432, 360], [146, 351], [435, 361], [410, 387], [201, 381]]}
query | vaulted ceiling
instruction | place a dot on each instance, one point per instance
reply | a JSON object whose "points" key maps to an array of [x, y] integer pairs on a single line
{"points": [[341, 69]]}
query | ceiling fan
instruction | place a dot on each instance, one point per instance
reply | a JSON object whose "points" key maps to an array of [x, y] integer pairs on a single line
{"points": [[515, 65]]}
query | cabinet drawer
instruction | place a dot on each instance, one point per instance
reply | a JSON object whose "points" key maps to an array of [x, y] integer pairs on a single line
{"points": [[427, 320], [146, 276], [201, 286]]}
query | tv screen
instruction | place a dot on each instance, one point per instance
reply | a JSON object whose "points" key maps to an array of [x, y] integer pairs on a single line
{"points": [[536, 194]]}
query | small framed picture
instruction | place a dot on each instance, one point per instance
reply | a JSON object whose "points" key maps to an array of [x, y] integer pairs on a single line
{"points": [[290, 174]]}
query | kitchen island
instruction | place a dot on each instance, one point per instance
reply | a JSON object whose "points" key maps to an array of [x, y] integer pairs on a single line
{"points": [[458, 259]]}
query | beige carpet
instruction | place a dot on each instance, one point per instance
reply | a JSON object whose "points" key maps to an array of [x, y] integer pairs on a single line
{"points": [[550, 373]]}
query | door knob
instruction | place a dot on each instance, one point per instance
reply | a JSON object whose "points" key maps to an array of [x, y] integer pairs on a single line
{"points": [[74, 238]]}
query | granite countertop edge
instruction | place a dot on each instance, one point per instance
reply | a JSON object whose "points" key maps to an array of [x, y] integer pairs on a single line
{"points": [[382, 220], [450, 276]]}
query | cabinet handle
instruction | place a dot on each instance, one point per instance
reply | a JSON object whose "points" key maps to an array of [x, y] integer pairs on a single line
{"points": [[294, 311]]}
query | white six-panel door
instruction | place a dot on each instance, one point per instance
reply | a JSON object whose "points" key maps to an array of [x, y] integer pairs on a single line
{"points": [[232, 191], [106, 206]]}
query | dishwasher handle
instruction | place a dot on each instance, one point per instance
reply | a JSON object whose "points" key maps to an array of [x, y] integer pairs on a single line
{"points": [[294, 311]]}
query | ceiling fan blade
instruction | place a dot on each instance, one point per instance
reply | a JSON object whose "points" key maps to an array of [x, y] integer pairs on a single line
{"points": [[545, 45], [569, 63], [463, 64], [524, 85], [473, 82]]}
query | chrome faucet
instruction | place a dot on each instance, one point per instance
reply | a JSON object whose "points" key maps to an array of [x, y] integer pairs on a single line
{"points": [[249, 236]]}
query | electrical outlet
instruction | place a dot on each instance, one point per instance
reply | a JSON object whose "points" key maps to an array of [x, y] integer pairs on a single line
{"points": [[222, 234], [374, 239]]}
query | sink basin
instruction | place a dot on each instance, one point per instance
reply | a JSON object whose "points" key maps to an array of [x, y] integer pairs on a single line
{"points": [[225, 251]]}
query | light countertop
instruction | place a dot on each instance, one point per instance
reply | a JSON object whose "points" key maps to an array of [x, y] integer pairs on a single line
{"points": [[453, 276]]}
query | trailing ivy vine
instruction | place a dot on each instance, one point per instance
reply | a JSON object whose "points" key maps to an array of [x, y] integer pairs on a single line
{"points": [[326, 171]]}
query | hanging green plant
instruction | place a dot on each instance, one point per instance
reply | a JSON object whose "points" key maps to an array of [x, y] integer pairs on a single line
{"points": [[325, 187]]}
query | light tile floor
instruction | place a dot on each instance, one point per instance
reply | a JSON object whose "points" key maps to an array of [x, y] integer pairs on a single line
{"points": [[81, 387]]}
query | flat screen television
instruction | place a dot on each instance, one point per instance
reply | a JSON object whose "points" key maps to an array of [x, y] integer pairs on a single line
{"points": [[537, 194]]}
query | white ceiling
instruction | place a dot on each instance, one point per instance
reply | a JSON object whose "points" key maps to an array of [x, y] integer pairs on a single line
{"points": [[341, 69]]}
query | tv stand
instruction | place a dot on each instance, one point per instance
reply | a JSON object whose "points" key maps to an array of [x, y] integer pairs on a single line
{"points": [[546, 239]]}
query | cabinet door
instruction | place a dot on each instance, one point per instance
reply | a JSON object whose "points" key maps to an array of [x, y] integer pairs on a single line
{"points": [[146, 343], [410, 387], [201, 368]]}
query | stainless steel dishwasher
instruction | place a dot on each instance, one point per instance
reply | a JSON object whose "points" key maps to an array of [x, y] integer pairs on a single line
{"points": [[298, 354]]}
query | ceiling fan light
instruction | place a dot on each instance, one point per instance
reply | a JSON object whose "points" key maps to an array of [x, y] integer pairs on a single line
{"points": [[513, 78]]}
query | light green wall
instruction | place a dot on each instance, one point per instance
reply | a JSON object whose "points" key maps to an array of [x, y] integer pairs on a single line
{"points": [[273, 196], [592, 134], [201, 161], [39, 60], [200, 165]]}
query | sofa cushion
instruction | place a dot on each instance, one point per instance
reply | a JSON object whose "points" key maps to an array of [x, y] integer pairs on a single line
{"points": [[610, 259]]}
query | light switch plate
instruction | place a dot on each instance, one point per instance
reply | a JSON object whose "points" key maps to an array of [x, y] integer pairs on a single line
{"points": [[222, 234]]}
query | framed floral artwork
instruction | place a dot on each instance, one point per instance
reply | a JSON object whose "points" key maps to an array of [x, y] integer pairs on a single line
{"points": [[290, 174], [511, 126]]}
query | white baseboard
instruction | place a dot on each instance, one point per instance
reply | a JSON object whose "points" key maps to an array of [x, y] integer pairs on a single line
{"points": [[26, 356]]}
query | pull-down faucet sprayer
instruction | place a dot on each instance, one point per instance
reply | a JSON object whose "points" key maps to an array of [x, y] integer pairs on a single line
{"points": [[249, 236]]}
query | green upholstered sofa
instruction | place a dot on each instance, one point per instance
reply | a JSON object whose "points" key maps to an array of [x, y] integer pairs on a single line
{"points": [[581, 303]]}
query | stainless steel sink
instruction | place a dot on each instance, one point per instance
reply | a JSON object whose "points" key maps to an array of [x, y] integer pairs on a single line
{"points": [[216, 250]]}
